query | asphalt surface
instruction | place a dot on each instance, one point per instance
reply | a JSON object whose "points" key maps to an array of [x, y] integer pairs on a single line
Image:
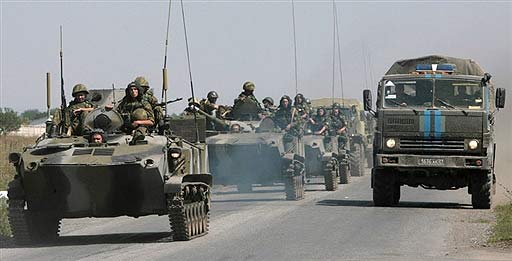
{"points": [[261, 225]]}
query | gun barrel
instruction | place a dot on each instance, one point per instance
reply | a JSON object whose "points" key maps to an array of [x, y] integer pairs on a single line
{"points": [[217, 121]]}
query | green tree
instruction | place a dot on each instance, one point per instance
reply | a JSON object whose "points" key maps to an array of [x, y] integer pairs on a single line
{"points": [[33, 114], [9, 120]]}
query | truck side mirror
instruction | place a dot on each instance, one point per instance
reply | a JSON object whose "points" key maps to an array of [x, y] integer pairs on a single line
{"points": [[367, 100], [500, 98]]}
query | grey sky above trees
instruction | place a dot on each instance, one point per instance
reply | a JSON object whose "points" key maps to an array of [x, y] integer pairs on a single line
{"points": [[109, 42]]}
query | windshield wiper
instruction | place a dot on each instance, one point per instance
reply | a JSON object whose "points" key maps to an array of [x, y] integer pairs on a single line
{"points": [[445, 103], [403, 105]]}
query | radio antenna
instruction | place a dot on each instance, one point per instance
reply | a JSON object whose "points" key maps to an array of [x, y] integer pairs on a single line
{"points": [[164, 69]]}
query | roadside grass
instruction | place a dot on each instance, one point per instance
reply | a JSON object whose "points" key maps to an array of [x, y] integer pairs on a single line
{"points": [[503, 228], [8, 144]]}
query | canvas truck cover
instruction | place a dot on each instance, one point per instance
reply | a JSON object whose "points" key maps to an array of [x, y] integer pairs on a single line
{"points": [[463, 66]]}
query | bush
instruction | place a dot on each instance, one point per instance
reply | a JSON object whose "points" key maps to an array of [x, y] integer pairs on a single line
{"points": [[9, 120], [503, 228]]}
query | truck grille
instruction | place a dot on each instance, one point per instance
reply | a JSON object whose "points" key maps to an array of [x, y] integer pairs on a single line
{"points": [[432, 145]]}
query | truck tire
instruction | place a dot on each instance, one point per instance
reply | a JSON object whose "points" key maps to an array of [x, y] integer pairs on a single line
{"points": [[384, 188], [357, 161], [344, 174], [331, 175], [481, 185]]}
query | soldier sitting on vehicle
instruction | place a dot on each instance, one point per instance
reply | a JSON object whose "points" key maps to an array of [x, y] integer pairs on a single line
{"points": [[77, 110], [209, 105], [338, 126], [268, 106], [136, 111], [320, 122], [286, 117], [247, 107], [193, 105], [149, 96], [301, 105]]}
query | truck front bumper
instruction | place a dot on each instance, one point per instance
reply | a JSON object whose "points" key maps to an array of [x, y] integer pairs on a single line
{"points": [[432, 161]]}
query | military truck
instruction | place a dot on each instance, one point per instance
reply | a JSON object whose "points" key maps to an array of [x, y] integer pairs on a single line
{"points": [[73, 177], [360, 136], [435, 129]]}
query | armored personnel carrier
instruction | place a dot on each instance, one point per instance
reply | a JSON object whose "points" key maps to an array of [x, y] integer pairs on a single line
{"points": [[252, 151], [435, 129], [74, 177]]}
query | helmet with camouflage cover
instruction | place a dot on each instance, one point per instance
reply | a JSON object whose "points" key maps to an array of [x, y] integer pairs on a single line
{"points": [[212, 95], [139, 114], [142, 82], [78, 89], [269, 100], [285, 97], [299, 96], [249, 86], [336, 106]]}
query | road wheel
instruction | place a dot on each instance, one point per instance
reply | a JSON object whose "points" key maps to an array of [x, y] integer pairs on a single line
{"points": [[357, 161], [331, 175], [294, 187], [344, 174], [481, 185], [384, 189], [189, 213], [244, 187]]}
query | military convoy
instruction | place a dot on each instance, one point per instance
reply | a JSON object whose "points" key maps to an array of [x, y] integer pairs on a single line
{"points": [[75, 176], [435, 129]]}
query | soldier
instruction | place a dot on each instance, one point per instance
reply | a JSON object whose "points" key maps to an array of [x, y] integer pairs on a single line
{"points": [[268, 106], [248, 94], [193, 105], [338, 126], [97, 136], [286, 117], [136, 111], [77, 110], [320, 122], [301, 105], [209, 105], [150, 97]]}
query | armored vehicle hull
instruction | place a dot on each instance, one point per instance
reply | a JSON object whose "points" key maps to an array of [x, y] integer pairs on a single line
{"points": [[69, 177], [254, 157]]}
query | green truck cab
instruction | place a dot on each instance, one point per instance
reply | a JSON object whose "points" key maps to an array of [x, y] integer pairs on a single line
{"points": [[435, 121]]}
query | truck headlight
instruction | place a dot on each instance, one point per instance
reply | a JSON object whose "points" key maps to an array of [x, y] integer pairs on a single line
{"points": [[473, 144], [390, 143], [175, 153]]}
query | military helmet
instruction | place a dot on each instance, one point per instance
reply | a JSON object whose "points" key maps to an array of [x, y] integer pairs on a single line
{"points": [[320, 108], [79, 88], [336, 106], [285, 97], [134, 84], [139, 114], [249, 86], [212, 95], [269, 100], [299, 95], [142, 82]]}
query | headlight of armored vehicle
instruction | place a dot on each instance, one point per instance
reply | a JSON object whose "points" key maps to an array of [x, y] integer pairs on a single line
{"points": [[390, 143], [175, 153], [473, 144]]}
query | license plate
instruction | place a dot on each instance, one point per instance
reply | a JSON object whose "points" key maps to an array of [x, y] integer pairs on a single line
{"points": [[431, 162]]}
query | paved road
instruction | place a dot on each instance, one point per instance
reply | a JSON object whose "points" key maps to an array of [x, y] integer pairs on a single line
{"points": [[262, 225]]}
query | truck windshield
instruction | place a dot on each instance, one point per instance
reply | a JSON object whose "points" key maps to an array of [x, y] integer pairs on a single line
{"points": [[458, 93], [443, 93]]}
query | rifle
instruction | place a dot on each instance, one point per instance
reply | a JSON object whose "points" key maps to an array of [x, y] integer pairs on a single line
{"points": [[169, 102]]}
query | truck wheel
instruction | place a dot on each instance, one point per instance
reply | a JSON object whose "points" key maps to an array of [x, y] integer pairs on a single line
{"points": [[481, 185], [384, 189], [294, 187], [189, 212], [331, 175], [344, 174], [357, 161]]}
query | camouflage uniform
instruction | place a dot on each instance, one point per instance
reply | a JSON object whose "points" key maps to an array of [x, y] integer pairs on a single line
{"points": [[302, 106], [247, 94], [285, 116], [134, 109], [149, 97], [76, 121], [270, 109], [320, 121], [337, 122]]}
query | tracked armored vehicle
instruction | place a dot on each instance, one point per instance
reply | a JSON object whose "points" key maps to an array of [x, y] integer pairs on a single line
{"points": [[70, 177], [251, 151], [435, 129]]}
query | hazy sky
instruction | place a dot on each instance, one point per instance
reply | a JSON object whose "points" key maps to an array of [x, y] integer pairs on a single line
{"points": [[109, 42]]}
